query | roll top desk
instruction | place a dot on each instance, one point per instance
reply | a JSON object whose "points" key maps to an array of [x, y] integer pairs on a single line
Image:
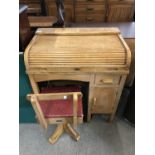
{"points": [[99, 56]]}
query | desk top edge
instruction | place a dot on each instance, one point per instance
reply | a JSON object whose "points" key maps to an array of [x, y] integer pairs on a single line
{"points": [[77, 31]]}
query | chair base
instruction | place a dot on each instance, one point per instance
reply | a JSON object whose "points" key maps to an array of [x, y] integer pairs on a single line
{"points": [[61, 128]]}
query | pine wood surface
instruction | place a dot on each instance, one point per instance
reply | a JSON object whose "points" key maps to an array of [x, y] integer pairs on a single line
{"points": [[57, 133], [65, 47]]}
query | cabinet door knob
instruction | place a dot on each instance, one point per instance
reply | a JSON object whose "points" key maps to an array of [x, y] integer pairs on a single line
{"points": [[89, 19], [94, 101], [90, 9]]}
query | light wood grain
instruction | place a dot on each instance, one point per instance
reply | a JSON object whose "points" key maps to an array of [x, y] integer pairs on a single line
{"points": [[63, 76], [38, 111], [51, 51], [73, 133], [119, 92], [103, 100], [78, 31], [53, 96], [57, 133], [109, 79]]}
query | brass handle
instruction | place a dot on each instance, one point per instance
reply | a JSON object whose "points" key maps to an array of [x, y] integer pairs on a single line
{"points": [[89, 19], [94, 101], [59, 121], [90, 9], [107, 81], [76, 69]]}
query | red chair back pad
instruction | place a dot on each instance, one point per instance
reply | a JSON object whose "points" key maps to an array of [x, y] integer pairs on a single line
{"points": [[60, 108]]}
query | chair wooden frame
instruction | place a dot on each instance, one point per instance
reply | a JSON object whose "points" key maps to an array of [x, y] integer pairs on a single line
{"points": [[63, 123]]}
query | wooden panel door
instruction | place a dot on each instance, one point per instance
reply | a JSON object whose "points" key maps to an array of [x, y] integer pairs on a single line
{"points": [[120, 12], [103, 100]]}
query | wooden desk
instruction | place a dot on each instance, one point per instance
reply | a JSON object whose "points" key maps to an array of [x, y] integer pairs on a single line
{"points": [[99, 56]]}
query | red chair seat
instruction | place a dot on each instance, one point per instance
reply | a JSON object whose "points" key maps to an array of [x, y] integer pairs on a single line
{"points": [[60, 108]]}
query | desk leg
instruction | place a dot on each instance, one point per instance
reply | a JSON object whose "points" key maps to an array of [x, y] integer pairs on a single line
{"points": [[89, 106], [123, 79]]}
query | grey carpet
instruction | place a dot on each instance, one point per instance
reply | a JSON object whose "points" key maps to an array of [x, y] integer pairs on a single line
{"points": [[97, 138]]}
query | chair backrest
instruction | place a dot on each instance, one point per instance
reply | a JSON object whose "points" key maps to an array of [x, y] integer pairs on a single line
{"points": [[35, 98]]}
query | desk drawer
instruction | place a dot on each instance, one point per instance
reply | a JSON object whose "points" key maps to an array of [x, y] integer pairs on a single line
{"points": [[90, 18], [86, 9], [107, 79], [90, 1], [53, 1]]}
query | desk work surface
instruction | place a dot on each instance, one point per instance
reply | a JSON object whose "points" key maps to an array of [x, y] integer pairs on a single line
{"points": [[79, 49]]}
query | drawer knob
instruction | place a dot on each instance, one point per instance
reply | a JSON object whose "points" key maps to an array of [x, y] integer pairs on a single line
{"points": [[76, 69], [90, 9], [94, 101], [89, 19]]}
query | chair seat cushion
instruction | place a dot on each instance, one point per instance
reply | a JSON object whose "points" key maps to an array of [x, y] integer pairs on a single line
{"points": [[60, 108]]}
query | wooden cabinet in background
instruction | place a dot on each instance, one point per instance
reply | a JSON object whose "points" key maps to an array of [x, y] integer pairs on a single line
{"points": [[90, 11], [120, 11], [51, 9], [86, 11], [25, 33], [34, 6]]}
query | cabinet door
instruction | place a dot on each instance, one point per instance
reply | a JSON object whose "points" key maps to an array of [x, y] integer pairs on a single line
{"points": [[120, 12], [103, 100]]}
